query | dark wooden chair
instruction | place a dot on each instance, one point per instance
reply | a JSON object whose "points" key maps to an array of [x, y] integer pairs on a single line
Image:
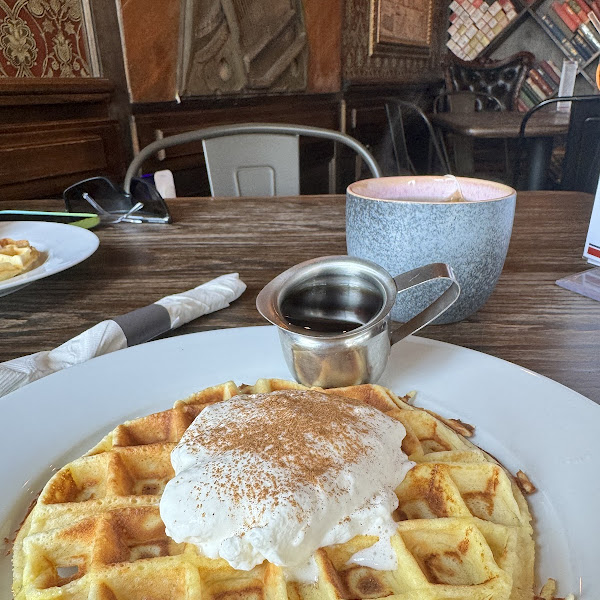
{"points": [[465, 101], [581, 163], [498, 79], [495, 85]]}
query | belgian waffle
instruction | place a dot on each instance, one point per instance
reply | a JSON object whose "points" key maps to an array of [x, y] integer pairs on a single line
{"points": [[16, 257], [95, 532]]}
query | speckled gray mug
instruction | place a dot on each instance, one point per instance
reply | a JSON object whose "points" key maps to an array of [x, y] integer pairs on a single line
{"points": [[402, 223]]}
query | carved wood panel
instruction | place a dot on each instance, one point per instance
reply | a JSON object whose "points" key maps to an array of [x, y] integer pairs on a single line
{"points": [[229, 46], [152, 52]]}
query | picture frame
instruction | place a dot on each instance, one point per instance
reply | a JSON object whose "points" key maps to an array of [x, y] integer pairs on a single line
{"points": [[401, 27], [87, 18]]}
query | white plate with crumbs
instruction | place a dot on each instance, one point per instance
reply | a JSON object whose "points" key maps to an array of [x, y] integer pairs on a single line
{"points": [[61, 247], [527, 421]]}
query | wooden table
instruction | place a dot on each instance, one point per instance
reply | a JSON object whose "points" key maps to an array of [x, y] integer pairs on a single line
{"points": [[528, 320], [540, 131]]}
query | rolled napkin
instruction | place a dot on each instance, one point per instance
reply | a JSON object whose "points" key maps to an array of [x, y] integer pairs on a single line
{"points": [[133, 328]]}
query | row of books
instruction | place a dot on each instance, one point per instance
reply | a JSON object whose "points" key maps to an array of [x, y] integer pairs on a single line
{"points": [[475, 23], [575, 25], [542, 82]]}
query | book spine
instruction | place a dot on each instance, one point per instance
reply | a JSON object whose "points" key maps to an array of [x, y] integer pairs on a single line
{"points": [[536, 88], [546, 77], [529, 92], [553, 67], [541, 82], [556, 31], [572, 14], [527, 100], [560, 24], [583, 6], [588, 34], [561, 38], [559, 9], [595, 6], [571, 5], [584, 48], [587, 31], [523, 104], [594, 21], [573, 51]]}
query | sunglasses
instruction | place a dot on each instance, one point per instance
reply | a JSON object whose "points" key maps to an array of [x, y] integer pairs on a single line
{"points": [[100, 196]]}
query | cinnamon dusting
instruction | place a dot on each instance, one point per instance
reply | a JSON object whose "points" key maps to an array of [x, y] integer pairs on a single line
{"points": [[305, 437]]}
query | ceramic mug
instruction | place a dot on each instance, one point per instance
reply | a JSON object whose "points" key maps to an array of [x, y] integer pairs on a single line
{"points": [[402, 223], [333, 315]]}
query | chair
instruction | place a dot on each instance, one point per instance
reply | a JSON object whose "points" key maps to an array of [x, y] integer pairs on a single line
{"points": [[581, 163], [500, 79], [464, 102], [251, 159], [406, 120]]}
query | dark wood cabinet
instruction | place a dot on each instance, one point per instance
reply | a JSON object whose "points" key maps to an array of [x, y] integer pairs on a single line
{"points": [[54, 133]]}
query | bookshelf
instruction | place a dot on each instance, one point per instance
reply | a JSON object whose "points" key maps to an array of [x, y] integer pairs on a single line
{"points": [[478, 26], [552, 29]]}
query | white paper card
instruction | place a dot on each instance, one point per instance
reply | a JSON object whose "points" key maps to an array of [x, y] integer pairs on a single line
{"points": [[567, 83], [591, 250], [165, 184]]}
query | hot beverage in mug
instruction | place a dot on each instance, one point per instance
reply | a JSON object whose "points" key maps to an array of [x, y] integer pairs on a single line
{"points": [[402, 223]]}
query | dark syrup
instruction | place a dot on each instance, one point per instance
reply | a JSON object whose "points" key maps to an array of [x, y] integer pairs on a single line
{"points": [[323, 324], [330, 308]]}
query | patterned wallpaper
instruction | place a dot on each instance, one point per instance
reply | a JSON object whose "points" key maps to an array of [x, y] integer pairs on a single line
{"points": [[43, 38]]}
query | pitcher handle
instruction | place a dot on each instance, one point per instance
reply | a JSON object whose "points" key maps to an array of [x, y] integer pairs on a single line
{"points": [[416, 277]]}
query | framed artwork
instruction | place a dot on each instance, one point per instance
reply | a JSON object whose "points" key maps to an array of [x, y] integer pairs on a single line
{"points": [[401, 27]]}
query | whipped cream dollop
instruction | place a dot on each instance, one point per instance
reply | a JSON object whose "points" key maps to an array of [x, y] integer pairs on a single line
{"points": [[276, 476]]}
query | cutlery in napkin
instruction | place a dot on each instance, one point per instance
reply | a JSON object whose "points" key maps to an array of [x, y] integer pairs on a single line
{"points": [[133, 328]]}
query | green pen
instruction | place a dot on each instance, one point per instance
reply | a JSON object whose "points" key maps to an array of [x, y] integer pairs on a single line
{"points": [[85, 220]]}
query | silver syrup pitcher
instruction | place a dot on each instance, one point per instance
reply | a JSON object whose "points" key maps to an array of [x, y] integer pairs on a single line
{"points": [[333, 315]]}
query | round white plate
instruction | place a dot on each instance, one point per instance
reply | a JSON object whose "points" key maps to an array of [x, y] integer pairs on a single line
{"points": [[525, 420], [63, 246]]}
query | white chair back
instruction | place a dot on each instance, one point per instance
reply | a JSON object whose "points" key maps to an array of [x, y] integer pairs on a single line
{"points": [[253, 165]]}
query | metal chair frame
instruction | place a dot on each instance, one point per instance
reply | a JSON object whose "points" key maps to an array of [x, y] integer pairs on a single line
{"points": [[527, 116], [248, 128], [398, 135], [464, 94]]}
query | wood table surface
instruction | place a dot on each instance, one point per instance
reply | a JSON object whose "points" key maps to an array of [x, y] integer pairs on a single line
{"points": [[528, 320], [505, 124]]}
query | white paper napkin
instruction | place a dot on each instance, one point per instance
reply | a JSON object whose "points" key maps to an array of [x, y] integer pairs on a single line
{"points": [[127, 330]]}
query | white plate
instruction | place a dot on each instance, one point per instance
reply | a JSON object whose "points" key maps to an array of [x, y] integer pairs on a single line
{"points": [[64, 246], [525, 420]]}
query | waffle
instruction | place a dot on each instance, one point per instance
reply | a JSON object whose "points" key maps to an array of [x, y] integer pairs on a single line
{"points": [[95, 532], [16, 257]]}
